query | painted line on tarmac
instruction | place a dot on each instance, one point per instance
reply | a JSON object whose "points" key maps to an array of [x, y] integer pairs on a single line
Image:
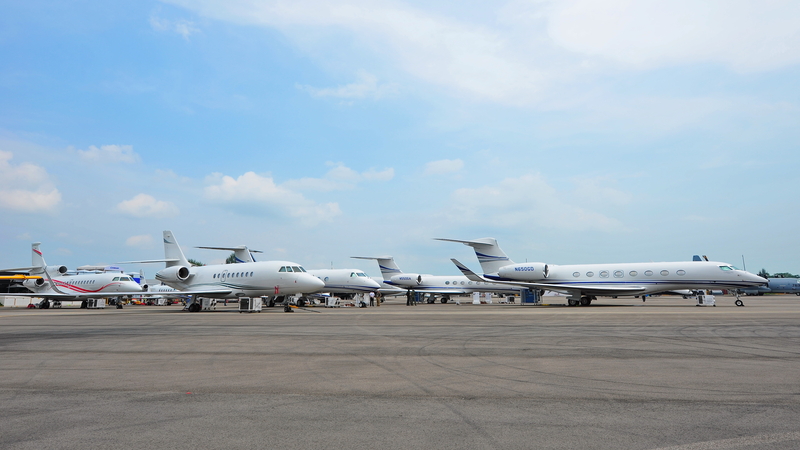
{"points": [[750, 441]]}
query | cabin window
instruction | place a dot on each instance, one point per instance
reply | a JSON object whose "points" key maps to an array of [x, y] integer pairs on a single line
{"points": [[576, 274], [618, 274], [681, 272], [649, 273], [589, 274], [446, 282], [462, 283], [665, 272], [604, 274], [633, 273]]}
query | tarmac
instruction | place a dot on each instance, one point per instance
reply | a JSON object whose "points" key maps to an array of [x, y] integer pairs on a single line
{"points": [[619, 374]]}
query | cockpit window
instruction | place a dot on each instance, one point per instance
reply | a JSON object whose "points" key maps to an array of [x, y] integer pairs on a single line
{"points": [[283, 269], [362, 274], [297, 269], [352, 274], [725, 268], [115, 279]]}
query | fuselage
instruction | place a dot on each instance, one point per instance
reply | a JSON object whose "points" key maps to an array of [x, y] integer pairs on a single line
{"points": [[651, 277], [345, 281], [82, 284], [455, 284], [245, 279]]}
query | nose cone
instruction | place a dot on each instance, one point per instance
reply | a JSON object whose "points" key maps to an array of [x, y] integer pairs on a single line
{"points": [[131, 286], [310, 283], [372, 284]]}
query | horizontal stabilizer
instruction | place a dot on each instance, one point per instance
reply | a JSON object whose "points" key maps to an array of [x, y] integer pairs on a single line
{"points": [[232, 249], [467, 272], [150, 261]]}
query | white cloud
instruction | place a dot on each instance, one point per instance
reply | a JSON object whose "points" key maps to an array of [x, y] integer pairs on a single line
{"points": [[366, 87], [142, 240], [26, 187], [743, 34], [109, 154], [443, 166], [340, 177], [144, 205], [252, 193], [378, 175], [525, 201], [518, 52], [464, 57], [182, 27]]}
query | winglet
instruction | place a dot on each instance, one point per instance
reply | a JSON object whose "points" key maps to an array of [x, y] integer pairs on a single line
{"points": [[466, 271]]}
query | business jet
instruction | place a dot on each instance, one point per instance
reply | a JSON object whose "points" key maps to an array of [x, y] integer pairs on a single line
{"points": [[444, 285], [54, 283], [252, 279], [337, 281], [584, 282]]}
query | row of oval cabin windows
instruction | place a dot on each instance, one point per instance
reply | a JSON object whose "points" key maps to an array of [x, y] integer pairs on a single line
{"points": [[466, 283], [235, 275], [633, 273]]}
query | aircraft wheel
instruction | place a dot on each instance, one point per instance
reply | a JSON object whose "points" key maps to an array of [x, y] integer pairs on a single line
{"points": [[739, 302], [84, 304], [586, 301], [444, 300], [301, 302], [287, 308], [572, 302]]}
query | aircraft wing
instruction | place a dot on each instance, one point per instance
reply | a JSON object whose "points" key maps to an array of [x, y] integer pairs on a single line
{"points": [[591, 289]]}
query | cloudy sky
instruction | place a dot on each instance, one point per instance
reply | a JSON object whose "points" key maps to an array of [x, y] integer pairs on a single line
{"points": [[573, 131]]}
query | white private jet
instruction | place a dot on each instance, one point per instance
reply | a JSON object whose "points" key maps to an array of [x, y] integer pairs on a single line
{"points": [[584, 282], [337, 281], [53, 282], [251, 279], [444, 285]]}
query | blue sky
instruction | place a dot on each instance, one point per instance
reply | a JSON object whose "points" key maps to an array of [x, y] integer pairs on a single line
{"points": [[573, 131]]}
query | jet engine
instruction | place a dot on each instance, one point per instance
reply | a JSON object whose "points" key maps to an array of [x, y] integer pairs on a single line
{"points": [[525, 271], [408, 280], [34, 283], [174, 274], [56, 270]]}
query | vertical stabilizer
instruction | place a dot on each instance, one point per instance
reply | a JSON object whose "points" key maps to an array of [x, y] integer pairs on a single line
{"points": [[387, 265], [37, 259], [489, 254], [243, 255], [172, 251]]}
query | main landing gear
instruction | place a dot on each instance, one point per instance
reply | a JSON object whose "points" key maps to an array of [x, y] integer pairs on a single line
{"points": [[585, 300]]}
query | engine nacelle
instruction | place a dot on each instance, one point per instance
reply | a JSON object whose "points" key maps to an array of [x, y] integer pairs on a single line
{"points": [[408, 280], [56, 270], [525, 271], [173, 274], [34, 283]]}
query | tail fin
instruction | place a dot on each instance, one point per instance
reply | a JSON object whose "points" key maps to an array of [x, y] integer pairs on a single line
{"points": [[37, 259], [386, 263], [489, 254], [241, 253], [172, 251]]}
